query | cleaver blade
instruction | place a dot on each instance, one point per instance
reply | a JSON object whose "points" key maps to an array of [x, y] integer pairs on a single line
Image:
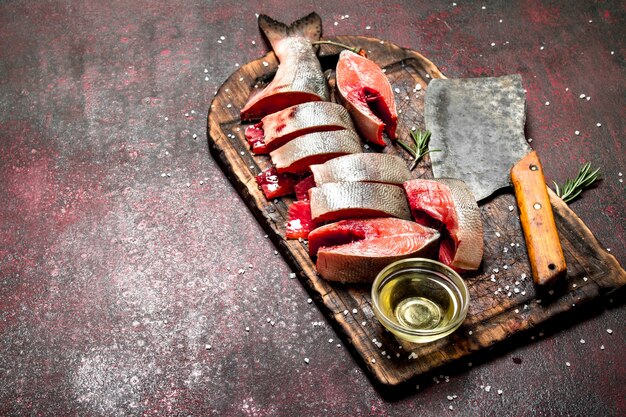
{"points": [[478, 124]]}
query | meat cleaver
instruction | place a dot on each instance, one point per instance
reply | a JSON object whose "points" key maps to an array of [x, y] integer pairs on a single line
{"points": [[478, 124]]}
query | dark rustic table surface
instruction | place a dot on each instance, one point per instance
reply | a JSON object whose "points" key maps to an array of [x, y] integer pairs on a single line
{"points": [[122, 242]]}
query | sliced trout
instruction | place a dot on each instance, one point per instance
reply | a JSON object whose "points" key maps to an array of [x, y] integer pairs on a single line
{"points": [[299, 77], [366, 93], [449, 206], [351, 200], [357, 250], [281, 127], [368, 167], [314, 148]]}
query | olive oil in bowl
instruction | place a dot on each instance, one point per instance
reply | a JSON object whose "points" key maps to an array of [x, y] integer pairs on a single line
{"points": [[420, 300]]}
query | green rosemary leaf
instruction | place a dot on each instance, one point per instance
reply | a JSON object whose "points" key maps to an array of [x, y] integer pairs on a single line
{"points": [[572, 188]]}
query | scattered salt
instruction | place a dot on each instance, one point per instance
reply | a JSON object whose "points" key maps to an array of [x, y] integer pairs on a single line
{"points": [[609, 331]]}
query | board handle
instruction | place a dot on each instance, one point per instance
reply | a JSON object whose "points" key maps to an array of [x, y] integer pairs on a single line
{"points": [[542, 239]]}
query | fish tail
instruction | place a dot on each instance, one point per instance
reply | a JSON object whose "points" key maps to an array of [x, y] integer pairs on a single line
{"points": [[310, 27]]}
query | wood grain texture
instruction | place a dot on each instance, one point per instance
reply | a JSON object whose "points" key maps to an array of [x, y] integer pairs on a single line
{"points": [[504, 300], [542, 239]]}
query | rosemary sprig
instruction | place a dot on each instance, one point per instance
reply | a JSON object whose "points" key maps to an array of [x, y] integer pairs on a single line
{"points": [[420, 139], [572, 188], [356, 50]]}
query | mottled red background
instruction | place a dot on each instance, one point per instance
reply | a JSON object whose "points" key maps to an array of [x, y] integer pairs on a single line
{"points": [[121, 239]]}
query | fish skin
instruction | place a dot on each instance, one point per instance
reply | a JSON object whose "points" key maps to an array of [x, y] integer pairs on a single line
{"points": [[357, 250], [450, 202], [368, 167], [314, 148], [299, 77], [351, 200], [359, 80], [316, 116]]}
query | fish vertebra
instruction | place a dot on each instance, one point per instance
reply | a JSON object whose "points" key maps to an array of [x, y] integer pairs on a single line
{"points": [[299, 77]]}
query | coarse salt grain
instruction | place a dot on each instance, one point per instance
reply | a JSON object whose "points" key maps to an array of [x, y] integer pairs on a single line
{"points": [[601, 347], [567, 364], [609, 331], [547, 103], [582, 341], [500, 392], [306, 360], [488, 388], [308, 300]]}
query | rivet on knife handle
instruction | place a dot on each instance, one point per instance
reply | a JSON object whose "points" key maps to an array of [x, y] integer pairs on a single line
{"points": [[542, 239]]}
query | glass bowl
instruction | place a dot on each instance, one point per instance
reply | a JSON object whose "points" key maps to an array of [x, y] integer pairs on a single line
{"points": [[420, 300]]}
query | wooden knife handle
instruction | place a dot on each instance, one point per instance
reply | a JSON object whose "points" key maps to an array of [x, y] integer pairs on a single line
{"points": [[542, 239]]}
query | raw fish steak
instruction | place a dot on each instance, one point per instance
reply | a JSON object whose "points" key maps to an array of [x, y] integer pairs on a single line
{"points": [[299, 77], [350, 200], [314, 148], [365, 91], [448, 205], [357, 250], [368, 167], [281, 127]]}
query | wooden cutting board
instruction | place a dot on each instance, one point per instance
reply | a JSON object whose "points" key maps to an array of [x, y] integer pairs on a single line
{"points": [[504, 301]]}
